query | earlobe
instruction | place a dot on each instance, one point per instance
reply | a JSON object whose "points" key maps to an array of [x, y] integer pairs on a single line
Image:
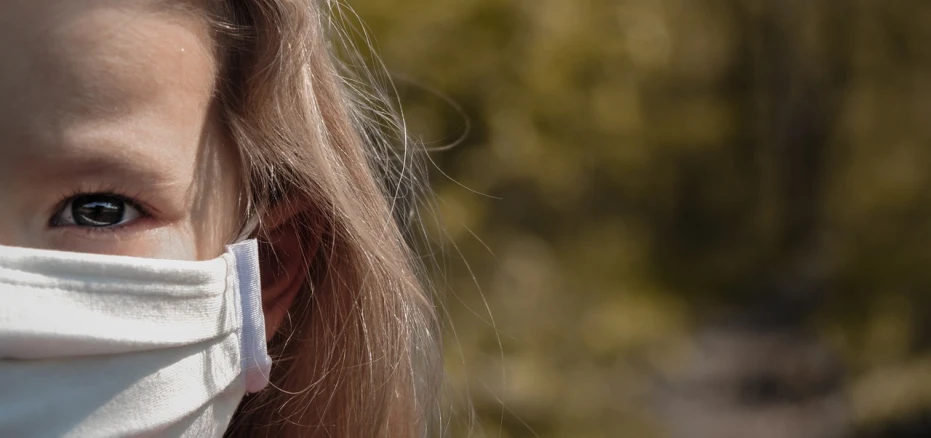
{"points": [[284, 254]]}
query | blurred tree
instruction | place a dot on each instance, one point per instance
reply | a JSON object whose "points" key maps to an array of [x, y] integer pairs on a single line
{"points": [[678, 217]]}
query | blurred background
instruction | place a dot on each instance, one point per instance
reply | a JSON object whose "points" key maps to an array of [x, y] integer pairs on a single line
{"points": [[676, 218]]}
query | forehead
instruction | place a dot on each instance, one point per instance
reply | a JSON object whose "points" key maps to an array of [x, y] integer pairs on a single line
{"points": [[80, 76], [99, 51]]}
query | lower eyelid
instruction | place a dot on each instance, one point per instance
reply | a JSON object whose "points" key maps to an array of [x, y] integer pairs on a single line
{"points": [[140, 225]]}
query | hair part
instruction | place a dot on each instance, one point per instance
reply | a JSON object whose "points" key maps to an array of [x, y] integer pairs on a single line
{"points": [[360, 356]]}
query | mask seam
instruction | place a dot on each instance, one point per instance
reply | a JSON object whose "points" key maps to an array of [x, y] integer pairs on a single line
{"points": [[106, 289]]}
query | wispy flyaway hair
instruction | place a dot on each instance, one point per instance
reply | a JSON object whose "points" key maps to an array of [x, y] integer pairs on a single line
{"points": [[360, 356]]}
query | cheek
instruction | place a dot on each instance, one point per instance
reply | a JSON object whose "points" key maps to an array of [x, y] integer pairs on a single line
{"points": [[169, 243], [173, 243]]}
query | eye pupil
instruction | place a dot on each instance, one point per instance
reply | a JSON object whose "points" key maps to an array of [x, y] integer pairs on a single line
{"points": [[97, 210]]}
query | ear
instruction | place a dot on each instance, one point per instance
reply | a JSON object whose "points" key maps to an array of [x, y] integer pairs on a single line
{"points": [[285, 250]]}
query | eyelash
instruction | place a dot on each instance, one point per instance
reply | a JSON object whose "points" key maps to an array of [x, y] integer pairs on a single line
{"points": [[144, 211]]}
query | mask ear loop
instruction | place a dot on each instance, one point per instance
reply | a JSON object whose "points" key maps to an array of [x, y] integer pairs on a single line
{"points": [[248, 229], [251, 224], [256, 364]]}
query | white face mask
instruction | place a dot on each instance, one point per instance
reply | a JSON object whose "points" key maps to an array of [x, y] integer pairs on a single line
{"points": [[96, 345]]}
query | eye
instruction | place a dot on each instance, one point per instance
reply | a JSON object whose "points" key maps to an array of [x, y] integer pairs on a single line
{"points": [[97, 210]]}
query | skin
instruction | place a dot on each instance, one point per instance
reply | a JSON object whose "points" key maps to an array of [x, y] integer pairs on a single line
{"points": [[116, 97], [113, 97]]}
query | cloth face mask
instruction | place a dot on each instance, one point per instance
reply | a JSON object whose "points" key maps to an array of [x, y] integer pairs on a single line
{"points": [[98, 345]]}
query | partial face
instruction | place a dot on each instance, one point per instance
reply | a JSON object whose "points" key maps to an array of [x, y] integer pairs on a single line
{"points": [[108, 140]]}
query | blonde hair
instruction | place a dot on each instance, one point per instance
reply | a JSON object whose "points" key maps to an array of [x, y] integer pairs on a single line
{"points": [[360, 356]]}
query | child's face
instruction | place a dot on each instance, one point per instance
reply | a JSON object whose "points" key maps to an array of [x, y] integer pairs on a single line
{"points": [[108, 143]]}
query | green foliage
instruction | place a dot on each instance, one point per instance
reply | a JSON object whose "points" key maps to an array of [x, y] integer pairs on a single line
{"points": [[637, 167]]}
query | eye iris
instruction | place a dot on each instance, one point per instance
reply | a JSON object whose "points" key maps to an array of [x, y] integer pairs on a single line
{"points": [[97, 210]]}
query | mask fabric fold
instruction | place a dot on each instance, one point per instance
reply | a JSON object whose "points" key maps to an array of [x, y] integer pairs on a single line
{"points": [[111, 346]]}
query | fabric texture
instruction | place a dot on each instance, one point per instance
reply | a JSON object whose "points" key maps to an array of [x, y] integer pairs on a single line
{"points": [[99, 346], [256, 363]]}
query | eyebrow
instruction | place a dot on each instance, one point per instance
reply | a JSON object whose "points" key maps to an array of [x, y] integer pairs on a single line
{"points": [[130, 166]]}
